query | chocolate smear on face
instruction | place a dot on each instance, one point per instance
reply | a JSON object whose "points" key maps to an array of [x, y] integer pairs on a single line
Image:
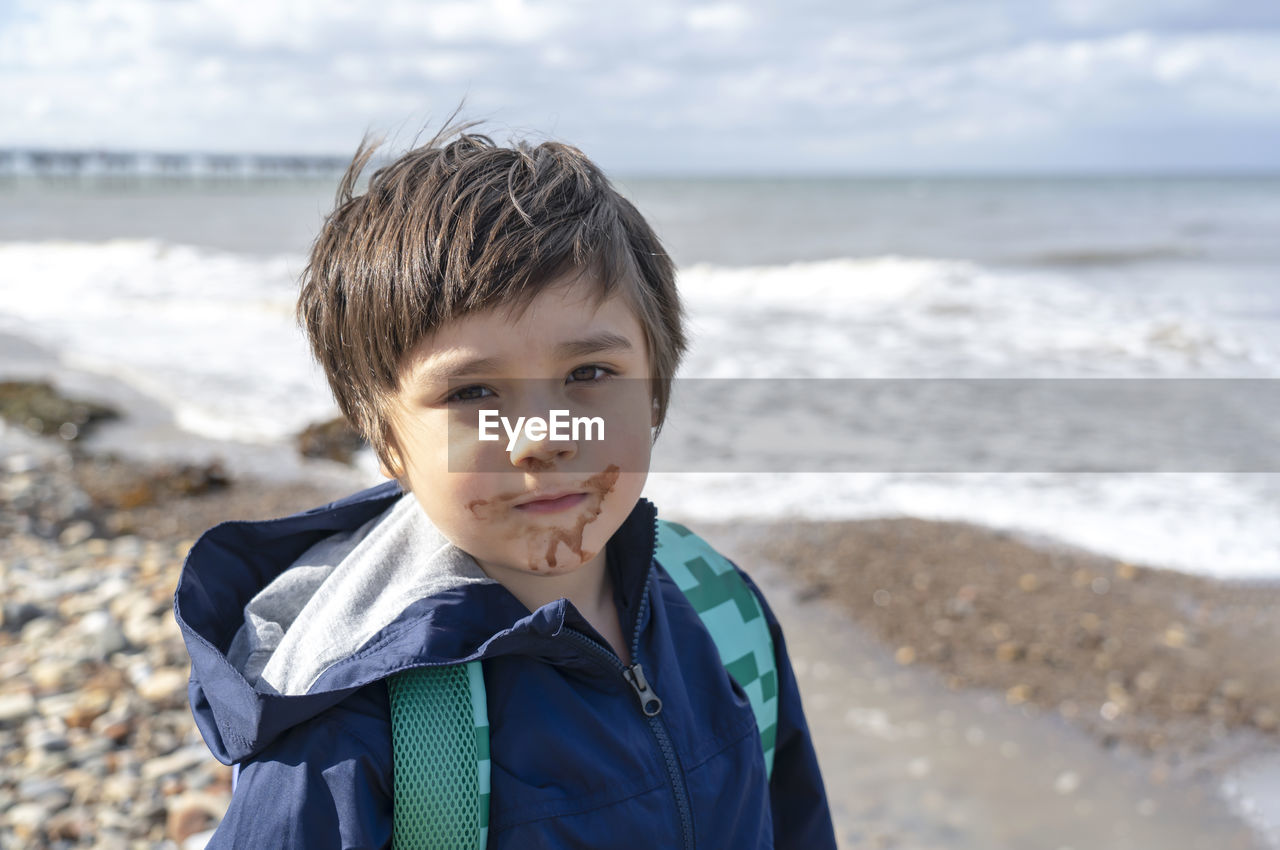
{"points": [[604, 482], [598, 486], [543, 541]]}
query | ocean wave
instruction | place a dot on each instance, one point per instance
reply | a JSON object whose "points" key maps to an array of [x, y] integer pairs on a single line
{"points": [[149, 305], [1214, 524], [901, 317], [208, 333]]}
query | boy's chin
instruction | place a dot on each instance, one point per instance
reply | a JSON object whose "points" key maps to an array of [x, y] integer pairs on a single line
{"points": [[549, 571], [536, 567], [557, 556]]}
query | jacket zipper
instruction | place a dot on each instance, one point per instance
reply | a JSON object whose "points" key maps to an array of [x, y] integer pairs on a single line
{"points": [[651, 705]]}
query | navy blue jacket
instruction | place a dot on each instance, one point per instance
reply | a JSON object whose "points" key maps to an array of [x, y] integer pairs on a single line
{"points": [[574, 761]]}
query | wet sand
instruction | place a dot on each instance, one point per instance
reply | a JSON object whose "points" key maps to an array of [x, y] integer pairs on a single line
{"points": [[913, 758], [1143, 658]]}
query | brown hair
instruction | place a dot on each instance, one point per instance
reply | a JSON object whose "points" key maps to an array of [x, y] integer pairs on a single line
{"points": [[459, 225]]}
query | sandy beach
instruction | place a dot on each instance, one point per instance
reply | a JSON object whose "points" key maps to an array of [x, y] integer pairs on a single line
{"points": [[968, 688]]}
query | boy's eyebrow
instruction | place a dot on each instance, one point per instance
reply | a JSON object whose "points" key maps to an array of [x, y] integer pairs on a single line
{"points": [[457, 369], [603, 341]]}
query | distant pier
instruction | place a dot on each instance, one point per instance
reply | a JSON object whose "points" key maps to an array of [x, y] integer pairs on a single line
{"points": [[90, 164]]}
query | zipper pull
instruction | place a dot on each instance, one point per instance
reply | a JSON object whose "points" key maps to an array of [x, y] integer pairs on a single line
{"points": [[649, 702]]}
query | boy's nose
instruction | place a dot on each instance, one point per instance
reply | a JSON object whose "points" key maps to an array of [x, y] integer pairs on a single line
{"points": [[538, 453]]}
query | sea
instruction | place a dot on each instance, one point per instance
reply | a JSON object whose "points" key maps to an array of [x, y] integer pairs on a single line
{"points": [[183, 289]]}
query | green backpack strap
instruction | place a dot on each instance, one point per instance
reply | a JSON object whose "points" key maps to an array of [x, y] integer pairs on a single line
{"points": [[734, 617], [440, 722], [440, 741]]}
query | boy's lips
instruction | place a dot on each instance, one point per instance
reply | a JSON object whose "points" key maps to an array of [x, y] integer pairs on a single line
{"points": [[551, 502]]}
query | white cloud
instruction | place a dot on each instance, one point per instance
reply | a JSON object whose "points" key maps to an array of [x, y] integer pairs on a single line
{"points": [[868, 84], [721, 17]]}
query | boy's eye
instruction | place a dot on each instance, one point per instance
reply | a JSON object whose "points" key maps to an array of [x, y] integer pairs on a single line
{"points": [[472, 393], [589, 373]]}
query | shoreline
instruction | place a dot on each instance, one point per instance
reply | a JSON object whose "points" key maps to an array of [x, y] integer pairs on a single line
{"points": [[1166, 671], [147, 430]]}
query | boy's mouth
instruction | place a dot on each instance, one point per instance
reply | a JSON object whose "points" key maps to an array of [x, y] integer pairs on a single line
{"points": [[551, 502]]}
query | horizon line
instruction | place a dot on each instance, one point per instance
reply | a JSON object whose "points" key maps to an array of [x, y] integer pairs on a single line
{"points": [[114, 159]]}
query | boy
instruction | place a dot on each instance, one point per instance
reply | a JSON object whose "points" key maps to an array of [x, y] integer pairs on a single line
{"points": [[473, 277]]}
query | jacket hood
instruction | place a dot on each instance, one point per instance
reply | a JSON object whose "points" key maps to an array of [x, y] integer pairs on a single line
{"points": [[285, 618]]}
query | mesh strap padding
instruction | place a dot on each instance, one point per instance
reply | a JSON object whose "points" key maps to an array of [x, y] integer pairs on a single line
{"points": [[440, 737], [733, 615]]}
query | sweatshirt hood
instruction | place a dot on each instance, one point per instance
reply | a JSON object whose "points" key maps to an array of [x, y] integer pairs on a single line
{"points": [[285, 618]]}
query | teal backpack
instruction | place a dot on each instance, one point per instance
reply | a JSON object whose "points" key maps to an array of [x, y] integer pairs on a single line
{"points": [[440, 722]]}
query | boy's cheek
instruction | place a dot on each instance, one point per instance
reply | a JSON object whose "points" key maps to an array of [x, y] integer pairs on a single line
{"points": [[447, 446], [627, 441], [635, 448]]}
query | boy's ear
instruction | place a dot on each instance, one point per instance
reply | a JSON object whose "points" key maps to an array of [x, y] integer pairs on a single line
{"points": [[390, 464], [390, 469]]}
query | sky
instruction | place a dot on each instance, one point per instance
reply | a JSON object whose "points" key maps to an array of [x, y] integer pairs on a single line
{"points": [[807, 86]]}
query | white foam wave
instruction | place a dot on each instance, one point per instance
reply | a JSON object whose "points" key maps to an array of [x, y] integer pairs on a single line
{"points": [[209, 333], [898, 317], [1210, 524]]}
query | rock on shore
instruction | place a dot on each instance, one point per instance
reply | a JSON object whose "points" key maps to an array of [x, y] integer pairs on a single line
{"points": [[38, 407], [97, 740]]}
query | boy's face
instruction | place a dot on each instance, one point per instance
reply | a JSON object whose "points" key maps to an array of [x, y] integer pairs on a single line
{"points": [[531, 505]]}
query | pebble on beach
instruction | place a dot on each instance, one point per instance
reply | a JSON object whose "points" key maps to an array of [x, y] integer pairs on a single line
{"points": [[98, 746]]}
